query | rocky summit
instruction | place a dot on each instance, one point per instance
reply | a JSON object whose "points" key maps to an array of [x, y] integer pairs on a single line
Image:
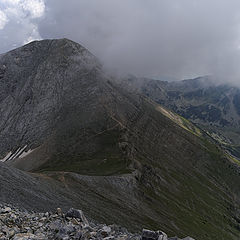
{"points": [[16, 224]]}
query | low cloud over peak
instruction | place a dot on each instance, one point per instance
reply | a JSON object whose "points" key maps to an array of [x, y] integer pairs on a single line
{"points": [[174, 38]]}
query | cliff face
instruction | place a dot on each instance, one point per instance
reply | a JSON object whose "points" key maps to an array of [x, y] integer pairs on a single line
{"points": [[63, 118]]}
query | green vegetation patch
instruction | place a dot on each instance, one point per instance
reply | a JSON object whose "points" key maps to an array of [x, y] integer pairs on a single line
{"points": [[105, 157]]}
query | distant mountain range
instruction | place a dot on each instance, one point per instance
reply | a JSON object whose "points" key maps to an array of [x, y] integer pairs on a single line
{"points": [[115, 146], [213, 107]]}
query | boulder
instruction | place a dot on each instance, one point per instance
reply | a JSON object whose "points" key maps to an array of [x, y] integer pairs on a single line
{"points": [[152, 235], [75, 213]]}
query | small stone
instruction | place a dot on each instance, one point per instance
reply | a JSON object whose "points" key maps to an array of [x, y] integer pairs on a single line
{"points": [[93, 234], [123, 237], [59, 211], [46, 214], [162, 236], [40, 224], [74, 221], [105, 231], [11, 233], [6, 210], [25, 236]]}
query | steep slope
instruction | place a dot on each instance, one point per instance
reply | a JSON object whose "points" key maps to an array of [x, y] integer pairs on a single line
{"points": [[142, 164], [33, 192], [39, 82]]}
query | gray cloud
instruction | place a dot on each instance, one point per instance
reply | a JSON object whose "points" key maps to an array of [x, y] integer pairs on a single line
{"points": [[178, 38], [19, 22]]}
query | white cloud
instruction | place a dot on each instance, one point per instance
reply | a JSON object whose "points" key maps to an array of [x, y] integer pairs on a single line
{"points": [[22, 17], [146, 37], [180, 38], [11, 2], [3, 19], [34, 7], [33, 35], [24, 8]]}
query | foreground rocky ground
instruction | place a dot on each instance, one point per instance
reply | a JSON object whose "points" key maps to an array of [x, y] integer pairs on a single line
{"points": [[22, 225]]}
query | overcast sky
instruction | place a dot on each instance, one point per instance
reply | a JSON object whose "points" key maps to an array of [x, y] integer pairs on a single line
{"points": [[155, 38]]}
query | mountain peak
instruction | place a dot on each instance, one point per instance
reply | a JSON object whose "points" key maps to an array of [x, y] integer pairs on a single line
{"points": [[54, 48], [54, 42], [57, 52]]}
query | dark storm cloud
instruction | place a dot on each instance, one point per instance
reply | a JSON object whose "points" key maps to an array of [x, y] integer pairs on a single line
{"points": [[179, 38]]}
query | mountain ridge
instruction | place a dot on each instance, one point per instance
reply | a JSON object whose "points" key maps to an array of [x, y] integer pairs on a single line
{"points": [[113, 149]]}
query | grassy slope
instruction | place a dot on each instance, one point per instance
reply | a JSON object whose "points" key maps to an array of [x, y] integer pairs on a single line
{"points": [[203, 201], [184, 186], [197, 196], [106, 160], [196, 203]]}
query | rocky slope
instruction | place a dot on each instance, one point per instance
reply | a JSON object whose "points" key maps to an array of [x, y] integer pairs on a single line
{"points": [[63, 119], [17, 224], [32, 192]]}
